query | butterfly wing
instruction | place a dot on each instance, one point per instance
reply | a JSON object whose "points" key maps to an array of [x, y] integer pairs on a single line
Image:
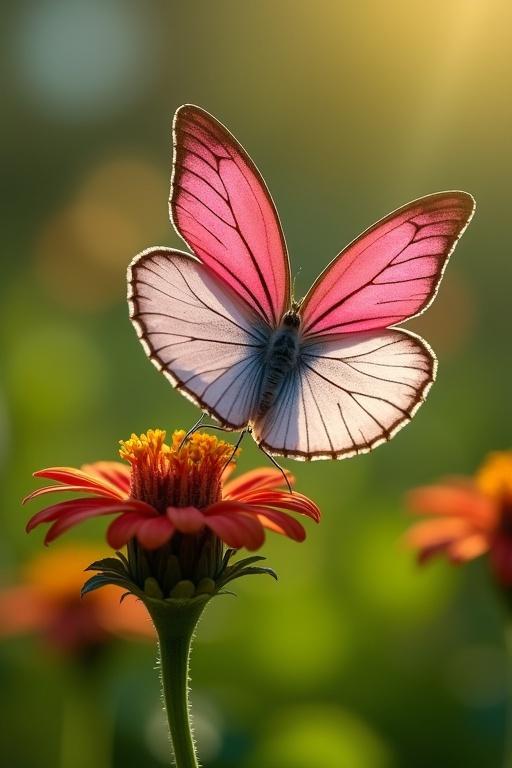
{"points": [[349, 394], [223, 210], [391, 272], [198, 332]]}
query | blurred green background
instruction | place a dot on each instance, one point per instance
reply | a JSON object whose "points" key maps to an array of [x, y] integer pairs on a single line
{"points": [[356, 658]]}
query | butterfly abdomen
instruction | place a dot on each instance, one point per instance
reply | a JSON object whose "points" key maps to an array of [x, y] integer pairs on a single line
{"points": [[282, 356]]}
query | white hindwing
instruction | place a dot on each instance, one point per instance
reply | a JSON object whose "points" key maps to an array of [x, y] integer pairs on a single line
{"points": [[348, 394], [197, 331]]}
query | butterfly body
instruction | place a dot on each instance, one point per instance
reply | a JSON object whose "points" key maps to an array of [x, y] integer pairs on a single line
{"points": [[329, 378], [282, 356]]}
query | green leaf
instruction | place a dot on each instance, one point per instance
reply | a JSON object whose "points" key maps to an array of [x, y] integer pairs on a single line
{"points": [[249, 571], [111, 564], [101, 580]]}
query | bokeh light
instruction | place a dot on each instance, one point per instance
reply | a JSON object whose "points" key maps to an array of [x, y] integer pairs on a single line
{"points": [[116, 210], [322, 736], [82, 59]]}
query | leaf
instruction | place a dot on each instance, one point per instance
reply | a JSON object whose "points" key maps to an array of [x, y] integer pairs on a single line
{"points": [[101, 580], [111, 564], [250, 571]]}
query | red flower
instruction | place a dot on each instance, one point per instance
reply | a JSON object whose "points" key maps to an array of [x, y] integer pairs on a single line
{"points": [[471, 517], [170, 489]]}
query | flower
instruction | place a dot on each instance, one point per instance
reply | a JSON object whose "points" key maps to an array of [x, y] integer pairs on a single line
{"points": [[47, 602], [173, 489], [470, 517], [174, 512]]}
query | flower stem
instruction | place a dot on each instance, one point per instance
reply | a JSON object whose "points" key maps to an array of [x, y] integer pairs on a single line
{"points": [[175, 630]]}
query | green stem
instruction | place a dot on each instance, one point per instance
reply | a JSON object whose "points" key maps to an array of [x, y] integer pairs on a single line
{"points": [[175, 631]]}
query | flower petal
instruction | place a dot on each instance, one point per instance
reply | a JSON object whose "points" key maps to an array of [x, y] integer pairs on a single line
{"points": [[124, 528], [256, 480], [55, 511], [186, 519], [280, 522], [64, 523], [296, 502], [468, 547], [64, 489], [72, 476], [112, 472], [237, 530], [433, 536], [454, 501], [154, 532]]}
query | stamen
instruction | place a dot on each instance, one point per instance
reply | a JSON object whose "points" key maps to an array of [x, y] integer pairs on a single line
{"points": [[188, 472]]}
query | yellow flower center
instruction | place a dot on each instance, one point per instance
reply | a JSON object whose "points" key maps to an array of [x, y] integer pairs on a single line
{"points": [[181, 474]]}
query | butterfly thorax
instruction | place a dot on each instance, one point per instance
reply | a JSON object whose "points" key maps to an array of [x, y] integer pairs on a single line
{"points": [[281, 357]]}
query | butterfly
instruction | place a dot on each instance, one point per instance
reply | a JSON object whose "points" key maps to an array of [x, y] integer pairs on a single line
{"points": [[326, 377]]}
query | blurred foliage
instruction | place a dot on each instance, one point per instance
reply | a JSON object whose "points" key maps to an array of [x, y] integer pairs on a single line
{"points": [[355, 658]]}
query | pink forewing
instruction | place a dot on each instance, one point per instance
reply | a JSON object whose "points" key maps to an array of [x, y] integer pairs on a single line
{"points": [[391, 272], [221, 207]]}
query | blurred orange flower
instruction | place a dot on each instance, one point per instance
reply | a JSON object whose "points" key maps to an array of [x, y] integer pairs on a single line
{"points": [[47, 602], [469, 517]]}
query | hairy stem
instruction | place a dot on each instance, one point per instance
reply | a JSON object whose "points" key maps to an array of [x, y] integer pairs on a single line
{"points": [[175, 632]]}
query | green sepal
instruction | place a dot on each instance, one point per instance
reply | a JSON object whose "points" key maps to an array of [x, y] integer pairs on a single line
{"points": [[109, 564], [102, 580], [249, 571]]}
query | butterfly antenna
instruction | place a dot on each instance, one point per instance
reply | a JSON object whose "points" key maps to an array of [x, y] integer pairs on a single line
{"points": [[191, 431], [278, 466], [235, 449], [294, 302]]}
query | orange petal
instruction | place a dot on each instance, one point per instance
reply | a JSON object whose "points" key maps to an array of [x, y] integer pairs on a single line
{"points": [[256, 480], [112, 472], [433, 533], [296, 502], [454, 501], [279, 522], [72, 476], [468, 547]]}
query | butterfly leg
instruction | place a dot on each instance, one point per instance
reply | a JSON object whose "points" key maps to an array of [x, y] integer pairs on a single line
{"points": [[191, 431], [235, 449], [277, 466]]}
